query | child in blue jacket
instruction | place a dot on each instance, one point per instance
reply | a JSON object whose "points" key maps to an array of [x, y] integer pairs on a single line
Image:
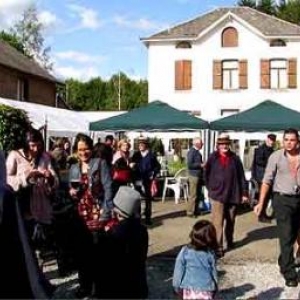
{"points": [[195, 273]]}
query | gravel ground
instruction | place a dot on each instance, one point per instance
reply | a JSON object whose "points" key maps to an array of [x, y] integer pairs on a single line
{"points": [[248, 280], [248, 272]]}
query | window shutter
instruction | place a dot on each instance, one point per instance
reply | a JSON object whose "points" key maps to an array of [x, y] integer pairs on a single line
{"points": [[183, 75], [178, 75], [243, 74], [230, 37], [265, 74], [292, 73], [217, 74]]}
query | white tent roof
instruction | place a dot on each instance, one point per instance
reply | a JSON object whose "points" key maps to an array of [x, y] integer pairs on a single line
{"points": [[60, 122]]}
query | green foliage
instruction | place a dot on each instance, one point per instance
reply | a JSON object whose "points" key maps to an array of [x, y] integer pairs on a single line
{"points": [[249, 3], [290, 11], [12, 40], [14, 124], [97, 94], [157, 146], [174, 166]]}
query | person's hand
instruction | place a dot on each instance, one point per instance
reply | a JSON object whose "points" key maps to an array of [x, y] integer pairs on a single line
{"points": [[73, 193], [47, 173], [34, 174], [258, 209], [132, 165], [245, 199]]}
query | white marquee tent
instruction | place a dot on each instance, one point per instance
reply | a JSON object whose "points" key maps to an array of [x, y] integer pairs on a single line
{"points": [[60, 122]]}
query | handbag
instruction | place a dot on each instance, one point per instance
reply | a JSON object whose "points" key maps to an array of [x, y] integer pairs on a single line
{"points": [[121, 175], [154, 188]]}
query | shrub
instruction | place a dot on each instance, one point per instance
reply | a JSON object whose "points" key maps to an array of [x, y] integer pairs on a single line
{"points": [[174, 166], [14, 123]]}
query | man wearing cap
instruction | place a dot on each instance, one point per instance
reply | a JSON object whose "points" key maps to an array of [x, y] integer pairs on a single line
{"points": [[227, 187], [260, 160], [283, 173], [145, 169], [195, 168]]}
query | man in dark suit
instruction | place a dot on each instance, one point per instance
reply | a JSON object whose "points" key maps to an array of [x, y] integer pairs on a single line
{"points": [[260, 160], [195, 168]]}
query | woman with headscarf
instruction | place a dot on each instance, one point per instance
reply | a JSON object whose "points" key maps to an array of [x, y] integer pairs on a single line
{"points": [[21, 277]]}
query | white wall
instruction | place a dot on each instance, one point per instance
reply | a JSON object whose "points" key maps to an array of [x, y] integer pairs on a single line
{"points": [[252, 47]]}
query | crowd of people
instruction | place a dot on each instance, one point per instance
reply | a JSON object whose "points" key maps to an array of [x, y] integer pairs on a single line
{"points": [[99, 234], [101, 229]]}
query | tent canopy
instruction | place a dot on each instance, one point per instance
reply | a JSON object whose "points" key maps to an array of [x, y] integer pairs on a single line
{"points": [[156, 116], [266, 116], [60, 122]]}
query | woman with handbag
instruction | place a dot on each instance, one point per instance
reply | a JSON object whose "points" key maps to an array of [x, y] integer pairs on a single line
{"points": [[121, 165], [90, 187]]}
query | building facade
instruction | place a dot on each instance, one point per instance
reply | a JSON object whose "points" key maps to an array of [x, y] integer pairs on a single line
{"points": [[225, 61], [23, 79]]}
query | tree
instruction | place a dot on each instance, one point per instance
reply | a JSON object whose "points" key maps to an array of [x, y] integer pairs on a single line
{"points": [[249, 3], [290, 11], [14, 124], [267, 7], [12, 40], [28, 31]]}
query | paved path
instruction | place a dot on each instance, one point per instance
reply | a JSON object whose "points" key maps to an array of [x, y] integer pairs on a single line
{"points": [[249, 271]]}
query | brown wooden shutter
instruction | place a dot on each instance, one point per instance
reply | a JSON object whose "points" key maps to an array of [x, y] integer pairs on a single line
{"points": [[230, 37], [178, 75], [265, 74], [292, 73], [243, 74], [217, 74], [183, 75]]}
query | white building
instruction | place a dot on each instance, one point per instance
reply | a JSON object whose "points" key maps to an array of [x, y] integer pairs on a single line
{"points": [[225, 61]]}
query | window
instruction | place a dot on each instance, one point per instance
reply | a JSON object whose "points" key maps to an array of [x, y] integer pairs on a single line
{"points": [[229, 37], [277, 43], [183, 45], [228, 112], [230, 75], [278, 74], [183, 75], [23, 90]]}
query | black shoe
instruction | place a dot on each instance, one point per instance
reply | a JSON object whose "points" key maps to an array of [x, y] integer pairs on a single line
{"points": [[230, 246], [291, 282], [82, 293], [264, 219], [148, 222]]}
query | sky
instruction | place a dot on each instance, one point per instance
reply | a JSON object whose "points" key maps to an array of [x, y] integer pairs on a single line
{"points": [[91, 38]]}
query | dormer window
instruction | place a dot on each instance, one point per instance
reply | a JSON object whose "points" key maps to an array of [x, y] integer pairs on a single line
{"points": [[183, 45], [230, 37], [277, 43]]}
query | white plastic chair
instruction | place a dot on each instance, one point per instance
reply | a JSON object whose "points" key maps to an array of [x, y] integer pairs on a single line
{"points": [[179, 184]]}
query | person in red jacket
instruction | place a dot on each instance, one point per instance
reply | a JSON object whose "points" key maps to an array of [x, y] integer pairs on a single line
{"points": [[227, 187]]}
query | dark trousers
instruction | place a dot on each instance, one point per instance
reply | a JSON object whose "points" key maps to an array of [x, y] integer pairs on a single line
{"points": [[287, 214]]}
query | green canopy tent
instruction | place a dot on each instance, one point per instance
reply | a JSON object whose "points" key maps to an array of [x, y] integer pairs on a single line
{"points": [[156, 116], [266, 116]]}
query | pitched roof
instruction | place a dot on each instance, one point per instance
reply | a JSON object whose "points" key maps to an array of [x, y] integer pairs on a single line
{"points": [[12, 58], [266, 24]]}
